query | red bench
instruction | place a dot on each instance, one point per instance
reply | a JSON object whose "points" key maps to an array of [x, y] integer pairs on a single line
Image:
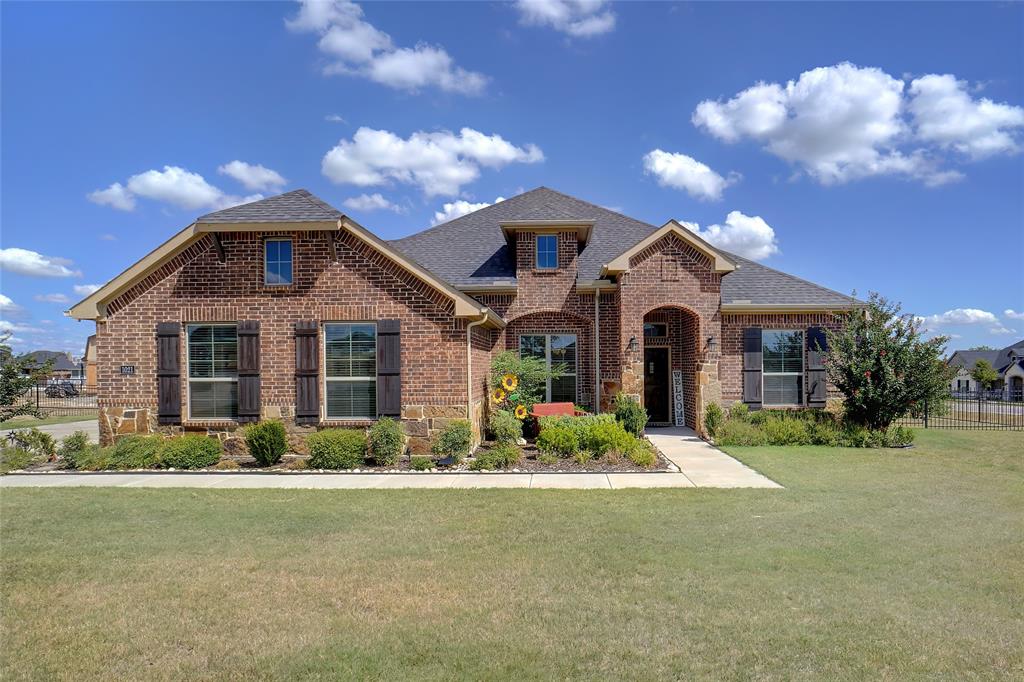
{"points": [[555, 410]]}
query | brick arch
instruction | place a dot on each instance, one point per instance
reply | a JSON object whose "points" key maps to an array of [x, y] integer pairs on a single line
{"points": [[555, 322], [684, 341]]}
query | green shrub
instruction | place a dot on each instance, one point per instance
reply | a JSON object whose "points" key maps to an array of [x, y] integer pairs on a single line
{"points": [[739, 411], [606, 436], [193, 451], [562, 441], [630, 414], [421, 462], [899, 436], [504, 426], [583, 456], [136, 452], [14, 458], [759, 417], [37, 442], [455, 440], [387, 442], [786, 431], [92, 458], [267, 442], [713, 418], [740, 433], [643, 455], [855, 436], [502, 456], [824, 433], [336, 449], [227, 465], [547, 458], [580, 426], [76, 442]]}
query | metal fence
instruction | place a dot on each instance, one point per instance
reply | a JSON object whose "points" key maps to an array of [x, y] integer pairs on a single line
{"points": [[62, 398], [972, 410]]}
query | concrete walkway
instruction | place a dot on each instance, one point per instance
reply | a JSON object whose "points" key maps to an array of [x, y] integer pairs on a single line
{"points": [[705, 465], [60, 431], [700, 465]]}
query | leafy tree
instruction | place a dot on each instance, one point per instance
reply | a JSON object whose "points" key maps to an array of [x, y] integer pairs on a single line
{"points": [[981, 347], [17, 377], [883, 366], [984, 374]]}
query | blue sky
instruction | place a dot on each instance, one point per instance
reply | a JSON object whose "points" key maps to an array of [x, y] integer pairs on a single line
{"points": [[862, 146]]}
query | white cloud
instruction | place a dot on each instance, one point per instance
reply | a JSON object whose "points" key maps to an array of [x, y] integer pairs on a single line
{"points": [[960, 316], [438, 163], [577, 18], [107, 237], [747, 236], [1011, 314], [846, 122], [52, 298], [8, 306], [357, 48], [116, 196], [1001, 329], [25, 262], [680, 171], [945, 113], [371, 202], [334, 118], [455, 209], [86, 289], [7, 327], [173, 185], [252, 176]]}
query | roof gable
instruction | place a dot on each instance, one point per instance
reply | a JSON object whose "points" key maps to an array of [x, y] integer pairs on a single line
{"points": [[719, 263], [297, 206]]}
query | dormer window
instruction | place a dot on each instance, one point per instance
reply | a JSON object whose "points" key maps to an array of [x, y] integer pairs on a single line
{"points": [[547, 251], [277, 262]]}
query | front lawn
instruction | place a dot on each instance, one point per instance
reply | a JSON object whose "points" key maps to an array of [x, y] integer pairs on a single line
{"points": [[870, 564]]}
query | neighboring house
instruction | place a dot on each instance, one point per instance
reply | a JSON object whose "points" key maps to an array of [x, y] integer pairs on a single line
{"points": [[285, 308], [63, 365], [90, 362], [1008, 363]]}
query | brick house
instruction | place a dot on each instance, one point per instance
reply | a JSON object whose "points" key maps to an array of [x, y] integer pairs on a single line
{"points": [[286, 308]]}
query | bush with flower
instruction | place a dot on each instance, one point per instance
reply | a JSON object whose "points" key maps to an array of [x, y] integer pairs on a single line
{"points": [[516, 384]]}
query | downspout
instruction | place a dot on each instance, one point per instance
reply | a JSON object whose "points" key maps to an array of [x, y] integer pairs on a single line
{"points": [[469, 363], [597, 350]]}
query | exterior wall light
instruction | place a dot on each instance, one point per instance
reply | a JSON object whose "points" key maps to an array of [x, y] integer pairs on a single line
{"points": [[634, 345], [712, 344]]}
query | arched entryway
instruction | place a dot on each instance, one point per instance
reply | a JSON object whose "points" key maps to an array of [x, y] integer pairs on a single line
{"points": [[671, 357]]}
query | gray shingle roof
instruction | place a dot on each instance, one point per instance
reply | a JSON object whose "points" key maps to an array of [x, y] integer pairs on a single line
{"points": [[999, 359], [291, 207], [471, 250]]}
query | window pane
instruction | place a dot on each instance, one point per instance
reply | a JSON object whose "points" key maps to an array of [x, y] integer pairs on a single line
{"points": [[563, 389], [533, 347], [213, 399], [212, 351], [783, 389], [271, 247], [547, 251], [278, 261], [656, 329], [285, 250], [783, 351], [563, 352], [351, 399], [350, 350]]}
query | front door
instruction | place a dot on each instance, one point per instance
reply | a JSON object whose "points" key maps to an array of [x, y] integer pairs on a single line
{"points": [[657, 393]]}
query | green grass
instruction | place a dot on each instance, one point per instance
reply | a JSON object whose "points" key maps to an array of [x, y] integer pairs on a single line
{"points": [[29, 422], [871, 564]]}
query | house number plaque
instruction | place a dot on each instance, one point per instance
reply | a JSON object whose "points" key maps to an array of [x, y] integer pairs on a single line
{"points": [[127, 369]]}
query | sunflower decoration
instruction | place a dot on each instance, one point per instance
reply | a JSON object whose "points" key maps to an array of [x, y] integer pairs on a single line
{"points": [[520, 411], [498, 396], [509, 382]]}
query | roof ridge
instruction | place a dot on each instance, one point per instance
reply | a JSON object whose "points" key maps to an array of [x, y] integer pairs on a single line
{"points": [[313, 199], [449, 222], [600, 208], [786, 275]]}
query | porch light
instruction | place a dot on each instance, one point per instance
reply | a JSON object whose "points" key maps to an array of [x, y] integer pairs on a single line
{"points": [[712, 344], [634, 345]]}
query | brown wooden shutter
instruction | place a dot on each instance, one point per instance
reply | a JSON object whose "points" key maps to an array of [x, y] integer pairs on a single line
{"points": [[249, 371], [307, 372], [389, 368], [817, 383], [168, 372], [752, 366]]}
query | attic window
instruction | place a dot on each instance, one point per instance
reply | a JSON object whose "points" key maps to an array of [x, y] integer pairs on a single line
{"points": [[547, 251], [277, 268]]}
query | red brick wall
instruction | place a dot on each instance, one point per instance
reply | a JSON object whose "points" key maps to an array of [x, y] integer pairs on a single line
{"points": [[362, 285], [731, 364]]}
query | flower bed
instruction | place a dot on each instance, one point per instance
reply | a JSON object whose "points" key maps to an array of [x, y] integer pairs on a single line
{"points": [[797, 427]]}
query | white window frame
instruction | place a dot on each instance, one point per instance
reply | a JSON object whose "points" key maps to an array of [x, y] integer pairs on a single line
{"points": [[188, 373], [547, 358], [536, 254], [326, 379], [266, 262], [801, 373]]}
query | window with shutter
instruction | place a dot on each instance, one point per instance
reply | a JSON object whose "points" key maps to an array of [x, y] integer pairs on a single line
{"points": [[782, 367], [212, 371], [350, 370]]}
